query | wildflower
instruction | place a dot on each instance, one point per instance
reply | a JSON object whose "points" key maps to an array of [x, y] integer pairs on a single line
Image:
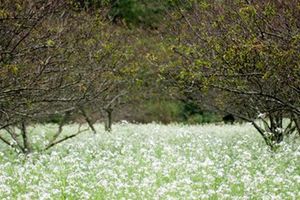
{"points": [[261, 115]]}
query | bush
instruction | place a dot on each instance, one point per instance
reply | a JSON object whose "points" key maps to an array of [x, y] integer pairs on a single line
{"points": [[205, 117], [168, 111], [54, 119]]}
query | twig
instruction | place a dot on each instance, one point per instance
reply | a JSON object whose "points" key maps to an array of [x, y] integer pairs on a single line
{"points": [[65, 138]]}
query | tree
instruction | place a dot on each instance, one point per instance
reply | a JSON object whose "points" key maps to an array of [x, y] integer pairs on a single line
{"points": [[32, 70], [247, 52], [55, 61]]}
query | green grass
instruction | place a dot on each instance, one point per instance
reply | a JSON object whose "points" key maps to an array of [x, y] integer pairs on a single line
{"points": [[153, 162]]}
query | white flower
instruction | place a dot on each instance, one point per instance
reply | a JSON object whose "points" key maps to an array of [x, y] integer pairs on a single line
{"points": [[262, 115], [279, 130], [124, 122], [278, 180]]}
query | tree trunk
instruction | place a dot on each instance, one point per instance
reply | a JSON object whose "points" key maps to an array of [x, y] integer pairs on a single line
{"points": [[296, 119], [262, 133], [26, 143], [108, 123], [88, 120]]}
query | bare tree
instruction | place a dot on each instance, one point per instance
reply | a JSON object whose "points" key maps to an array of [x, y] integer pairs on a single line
{"points": [[54, 60]]}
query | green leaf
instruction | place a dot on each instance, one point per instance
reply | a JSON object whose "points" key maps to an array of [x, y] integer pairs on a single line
{"points": [[50, 43]]}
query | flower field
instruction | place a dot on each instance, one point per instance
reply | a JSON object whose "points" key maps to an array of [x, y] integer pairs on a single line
{"points": [[153, 162]]}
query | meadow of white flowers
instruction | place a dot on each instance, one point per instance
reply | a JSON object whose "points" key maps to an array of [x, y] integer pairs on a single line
{"points": [[154, 162]]}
